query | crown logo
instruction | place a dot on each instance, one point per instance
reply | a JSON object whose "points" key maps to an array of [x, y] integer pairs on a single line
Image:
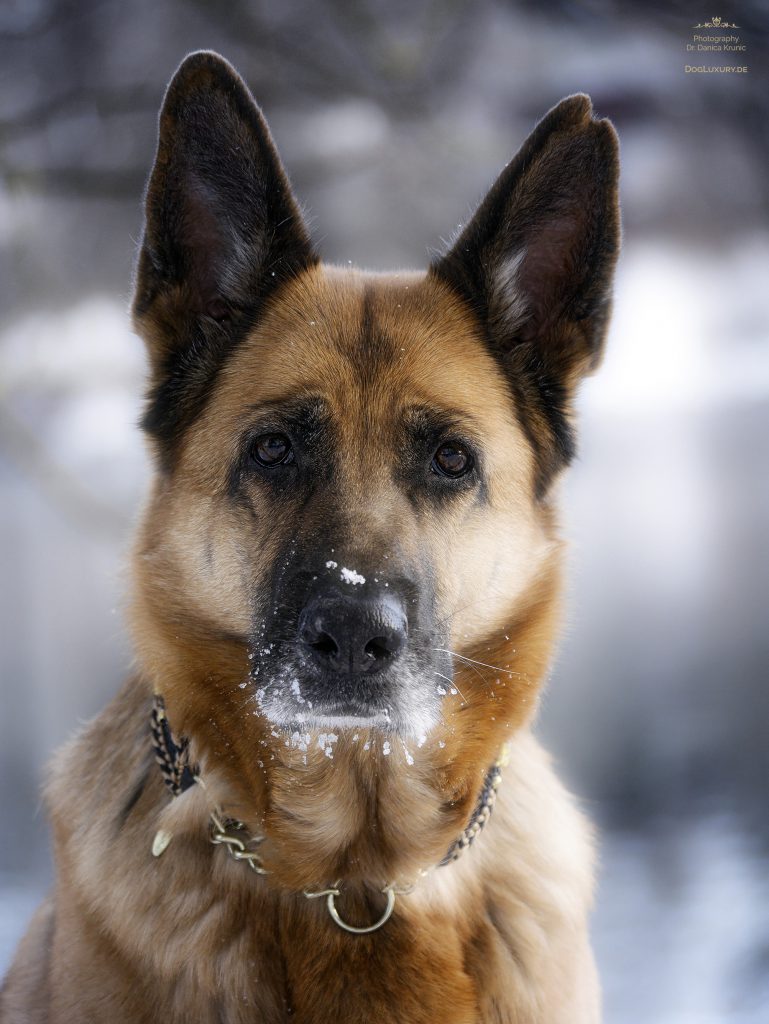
{"points": [[717, 23]]}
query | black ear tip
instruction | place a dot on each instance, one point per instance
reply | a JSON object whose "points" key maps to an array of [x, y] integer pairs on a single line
{"points": [[577, 107], [205, 62], [576, 114], [571, 113], [203, 69]]}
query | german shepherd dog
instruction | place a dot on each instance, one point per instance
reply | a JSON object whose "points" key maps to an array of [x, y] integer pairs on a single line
{"points": [[345, 601]]}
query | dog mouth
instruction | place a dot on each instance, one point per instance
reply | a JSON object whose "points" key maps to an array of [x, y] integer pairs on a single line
{"points": [[401, 702]]}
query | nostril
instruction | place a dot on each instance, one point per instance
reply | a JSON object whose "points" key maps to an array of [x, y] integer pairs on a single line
{"points": [[379, 648], [325, 645]]}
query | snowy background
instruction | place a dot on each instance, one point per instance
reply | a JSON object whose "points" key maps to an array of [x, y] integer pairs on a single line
{"points": [[393, 118]]}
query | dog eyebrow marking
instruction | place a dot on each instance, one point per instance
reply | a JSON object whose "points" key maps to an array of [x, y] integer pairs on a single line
{"points": [[307, 411], [423, 419]]}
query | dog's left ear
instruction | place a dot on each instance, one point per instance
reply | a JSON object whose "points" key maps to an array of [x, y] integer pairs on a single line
{"points": [[222, 232], [536, 264]]}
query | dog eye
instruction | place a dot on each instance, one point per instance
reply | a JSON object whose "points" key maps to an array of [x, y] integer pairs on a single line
{"points": [[272, 450], [452, 460]]}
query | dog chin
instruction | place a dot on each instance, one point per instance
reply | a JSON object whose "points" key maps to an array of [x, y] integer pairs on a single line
{"points": [[340, 718], [290, 716]]}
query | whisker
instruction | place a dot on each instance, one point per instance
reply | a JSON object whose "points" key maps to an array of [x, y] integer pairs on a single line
{"points": [[469, 663], [460, 692], [474, 661], [452, 683]]}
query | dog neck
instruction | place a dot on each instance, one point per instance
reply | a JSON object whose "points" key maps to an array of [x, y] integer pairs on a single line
{"points": [[172, 754]]}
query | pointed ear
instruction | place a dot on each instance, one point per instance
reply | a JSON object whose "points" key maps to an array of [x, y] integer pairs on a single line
{"points": [[222, 232], [536, 264]]}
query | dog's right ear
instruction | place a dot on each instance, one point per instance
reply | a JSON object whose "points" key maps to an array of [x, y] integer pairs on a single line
{"points": [[222, 231]]}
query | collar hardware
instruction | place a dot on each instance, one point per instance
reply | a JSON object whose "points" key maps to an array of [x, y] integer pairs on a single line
{"points": [[221, 835], [331, 895]]}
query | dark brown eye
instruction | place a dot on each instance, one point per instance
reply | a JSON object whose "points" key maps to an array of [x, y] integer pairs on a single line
{"points": [[452, 460], [272, 450]]}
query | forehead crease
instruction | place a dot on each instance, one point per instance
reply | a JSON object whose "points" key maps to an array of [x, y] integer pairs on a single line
{"points": [[374, 349], [372, 378]]}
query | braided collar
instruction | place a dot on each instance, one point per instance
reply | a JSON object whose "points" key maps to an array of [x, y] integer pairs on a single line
{"points": [[172, 756]]}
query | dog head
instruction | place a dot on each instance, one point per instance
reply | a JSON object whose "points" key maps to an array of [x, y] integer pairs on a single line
{"points": [[351, 525]]}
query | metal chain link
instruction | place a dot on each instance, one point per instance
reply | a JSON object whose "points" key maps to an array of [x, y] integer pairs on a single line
{"points": [[221, 835]]}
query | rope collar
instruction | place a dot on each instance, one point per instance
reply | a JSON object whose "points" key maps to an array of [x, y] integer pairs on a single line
{"points": [[172, 756]]}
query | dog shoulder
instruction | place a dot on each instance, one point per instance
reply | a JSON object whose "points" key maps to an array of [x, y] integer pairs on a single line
{"points": [[521, 898], [540, 888]]}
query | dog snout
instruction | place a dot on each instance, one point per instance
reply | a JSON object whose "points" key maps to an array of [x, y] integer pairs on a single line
{"points": [[353, 634]]}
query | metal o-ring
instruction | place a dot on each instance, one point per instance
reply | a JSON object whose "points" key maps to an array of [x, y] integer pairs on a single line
{"points": [[372, 927]]}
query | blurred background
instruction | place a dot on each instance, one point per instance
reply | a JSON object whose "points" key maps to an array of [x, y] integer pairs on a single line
{"points": [[393, 118]]}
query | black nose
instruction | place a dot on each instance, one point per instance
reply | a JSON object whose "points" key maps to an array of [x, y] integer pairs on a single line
{"points": [[350, 635]]}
